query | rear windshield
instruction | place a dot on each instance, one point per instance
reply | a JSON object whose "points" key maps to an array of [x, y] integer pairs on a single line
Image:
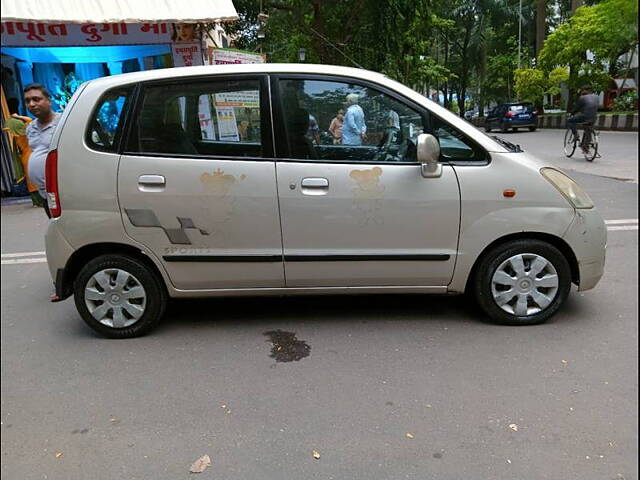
{"points": [[523, 108]]}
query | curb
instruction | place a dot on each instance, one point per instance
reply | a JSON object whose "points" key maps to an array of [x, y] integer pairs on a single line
{"points": [[622, 123], [6, 201]]}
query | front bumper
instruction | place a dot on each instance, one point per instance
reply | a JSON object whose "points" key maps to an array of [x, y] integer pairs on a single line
{"points": [[587, 236]]}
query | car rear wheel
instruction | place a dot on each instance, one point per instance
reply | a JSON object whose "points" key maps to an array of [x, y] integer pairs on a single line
{"points": [[504, 128], [487, 127], [532, 129], [119, 296], [523, 282]]}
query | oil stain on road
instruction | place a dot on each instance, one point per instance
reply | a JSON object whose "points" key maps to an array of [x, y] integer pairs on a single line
{"points": [[286, 347]]}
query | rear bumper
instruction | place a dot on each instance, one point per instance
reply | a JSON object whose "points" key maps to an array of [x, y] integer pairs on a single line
{"points": [[532, 122], [58, 253]]}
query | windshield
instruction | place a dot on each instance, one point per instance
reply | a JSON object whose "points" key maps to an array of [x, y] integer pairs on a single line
{"points": [[523, 108]]}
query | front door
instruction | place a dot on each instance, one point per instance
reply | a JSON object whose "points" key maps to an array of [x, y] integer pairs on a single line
{"points": [[355, 209], [197, 185]]}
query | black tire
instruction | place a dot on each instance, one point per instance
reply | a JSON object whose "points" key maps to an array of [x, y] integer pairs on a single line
{"points": [[569, 143], [593, 148], [154, 289], [504, 128], [532, 129], [515, 129], [494, 258], [487, 127]]}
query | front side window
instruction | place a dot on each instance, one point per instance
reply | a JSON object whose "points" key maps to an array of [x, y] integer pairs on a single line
{"points": [[454, 145], [106, 123], [220, 118], [340, 121]]}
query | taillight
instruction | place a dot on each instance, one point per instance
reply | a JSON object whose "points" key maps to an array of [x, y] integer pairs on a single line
{"points": [[535, 112], [51, 182], [509, 114]]}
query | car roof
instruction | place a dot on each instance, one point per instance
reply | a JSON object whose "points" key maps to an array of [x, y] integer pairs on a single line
{"points": [[290, 68]]}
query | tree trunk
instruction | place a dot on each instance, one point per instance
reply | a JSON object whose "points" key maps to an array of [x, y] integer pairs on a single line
{"points": [[318, 26], [575, 4], [573, 73], [541, 24], [445, 89]]}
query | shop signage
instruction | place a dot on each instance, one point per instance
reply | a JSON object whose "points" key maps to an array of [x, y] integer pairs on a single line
{"points": [[30, 34], [221, 56]]}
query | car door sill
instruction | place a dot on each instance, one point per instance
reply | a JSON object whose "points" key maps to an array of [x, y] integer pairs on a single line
{"points": [[250, 292]]}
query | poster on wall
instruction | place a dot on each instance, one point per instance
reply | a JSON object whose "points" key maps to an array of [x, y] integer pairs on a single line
{"points": [[227, 126], [242, 99], [186, 54], [206, 120], [224, 56]]}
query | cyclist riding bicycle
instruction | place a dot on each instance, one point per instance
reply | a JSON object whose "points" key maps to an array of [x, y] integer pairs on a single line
{"points": [[584, 113]]}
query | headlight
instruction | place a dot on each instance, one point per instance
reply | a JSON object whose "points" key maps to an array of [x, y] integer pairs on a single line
{"points": [[568, 188]]}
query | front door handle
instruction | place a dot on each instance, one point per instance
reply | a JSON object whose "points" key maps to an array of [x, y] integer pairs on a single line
{"points": [[315, 183], [314, 186], [152, 180], [151, 183]]}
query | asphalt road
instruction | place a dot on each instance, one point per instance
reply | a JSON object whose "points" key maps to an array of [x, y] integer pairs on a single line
{"points": [[399, 387]]}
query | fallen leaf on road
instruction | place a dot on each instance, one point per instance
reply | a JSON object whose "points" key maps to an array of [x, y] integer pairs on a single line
{"points": [[200, 464], [316, 454], [409, 435], [513, 427], [58, 454]]}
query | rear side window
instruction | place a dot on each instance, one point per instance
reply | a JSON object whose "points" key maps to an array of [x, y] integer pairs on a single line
{"points": [[217, 118], [105, 127]]}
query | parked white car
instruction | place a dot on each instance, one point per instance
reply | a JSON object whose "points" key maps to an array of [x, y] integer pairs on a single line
{"points": [[212, 181]]}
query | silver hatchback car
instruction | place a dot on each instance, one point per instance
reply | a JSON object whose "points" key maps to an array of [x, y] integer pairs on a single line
{"points": [[300, 179]]}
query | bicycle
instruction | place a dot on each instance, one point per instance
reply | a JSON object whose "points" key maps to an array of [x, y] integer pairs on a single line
{"points": [[590, 150]]}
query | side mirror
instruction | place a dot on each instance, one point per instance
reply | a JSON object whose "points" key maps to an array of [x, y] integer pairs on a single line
{"points": [[428, 153]]}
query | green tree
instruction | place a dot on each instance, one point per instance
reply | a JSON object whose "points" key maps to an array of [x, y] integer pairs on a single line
{"points": [[592, 41], [531, 84]]}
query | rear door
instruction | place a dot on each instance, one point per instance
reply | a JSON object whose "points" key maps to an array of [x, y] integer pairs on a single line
{"points": [[197, 182], [359, 212]]}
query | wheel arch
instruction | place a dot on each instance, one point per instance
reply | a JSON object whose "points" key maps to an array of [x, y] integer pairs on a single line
{"points": [[83, 255], [554, 240]]}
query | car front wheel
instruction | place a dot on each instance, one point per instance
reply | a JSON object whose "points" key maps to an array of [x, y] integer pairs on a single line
{"points": [[522, 283], [119, 296]]}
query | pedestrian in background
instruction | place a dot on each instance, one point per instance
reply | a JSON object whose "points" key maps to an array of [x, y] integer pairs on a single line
{"points": [[17, 125], [354, 130], [39, 133], [336, 127]]}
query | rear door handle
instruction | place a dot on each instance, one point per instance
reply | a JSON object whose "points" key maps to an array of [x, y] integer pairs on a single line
{"points": [[152, 180], [315, 183]]}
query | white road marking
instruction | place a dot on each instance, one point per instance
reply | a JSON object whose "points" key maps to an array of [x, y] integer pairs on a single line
{"points": [[622, 228], [23, 260], [622, 221], [620, 225], [23, 254]]}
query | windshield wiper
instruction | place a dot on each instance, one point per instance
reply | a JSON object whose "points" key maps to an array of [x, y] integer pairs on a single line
{"points": [[510, 146]]}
